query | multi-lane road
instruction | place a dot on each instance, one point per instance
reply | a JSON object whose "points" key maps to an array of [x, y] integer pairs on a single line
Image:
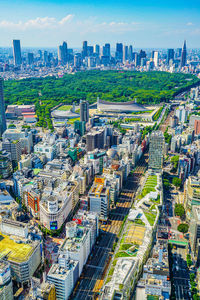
{"points": [[91, 281]]}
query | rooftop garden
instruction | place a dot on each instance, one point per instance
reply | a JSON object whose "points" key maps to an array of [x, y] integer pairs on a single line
{"points": [[149, 186]]}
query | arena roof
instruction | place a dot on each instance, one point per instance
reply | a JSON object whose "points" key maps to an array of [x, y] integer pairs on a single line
{"points": [[130, 106], [64, 114]]}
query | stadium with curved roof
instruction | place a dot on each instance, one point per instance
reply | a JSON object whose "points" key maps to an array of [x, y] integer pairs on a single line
{"points": [[64, 114], [124, 107]]}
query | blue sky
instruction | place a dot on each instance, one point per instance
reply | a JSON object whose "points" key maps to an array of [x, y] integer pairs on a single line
{"points": [[153, 23]]}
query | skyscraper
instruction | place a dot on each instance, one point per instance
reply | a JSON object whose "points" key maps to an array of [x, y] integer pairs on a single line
{"points": [[125, 53], [45, 57], [84, 111], [63, 53], [156, 58], [2, 109], [97, 49], [170, 55], [17, 53], [85, 49], [184, 55], [156, 150], [119, 52], [30, 58], [130, 53]]}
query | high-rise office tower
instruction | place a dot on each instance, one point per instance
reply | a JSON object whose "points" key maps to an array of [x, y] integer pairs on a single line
{"points": [[119, 52], [125, 53], [97, 49], [45, 57], [40, 54], [2, 109], [77, 60], [130, 53], [152, 55], [60, 53], [178, 52], [184, 55], [90, 50], [30, 58], [84, 111], [156, 150], [142, 54], [63, 53], [137, 59], [170, 55], [17, 53], [106, 50], [85, 49], [156, 58]]}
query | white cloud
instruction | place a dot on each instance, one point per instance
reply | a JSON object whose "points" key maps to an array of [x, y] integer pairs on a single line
{"points": [[189, 24], [66, 19], [39, 23]]}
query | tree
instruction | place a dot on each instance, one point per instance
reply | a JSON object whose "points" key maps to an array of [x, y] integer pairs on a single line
{"points": [[174, 161], [183, 227], [166, 184], [192, 276], [179, 210], [176, 182], [196, 297]]}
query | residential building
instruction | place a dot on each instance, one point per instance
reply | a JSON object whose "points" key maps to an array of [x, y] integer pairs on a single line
{"points": [[5, 164], [42, 291], [63, 278], [195, 232], [6, 288], [14, 148], [77, 245], [197, 127], [191, 194], [182, 114], [23, 135], [98, 159], [46, 148], [95, 139], [99, 198]]}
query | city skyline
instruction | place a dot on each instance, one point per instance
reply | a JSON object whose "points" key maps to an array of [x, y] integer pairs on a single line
{"points": [[143, 25]]}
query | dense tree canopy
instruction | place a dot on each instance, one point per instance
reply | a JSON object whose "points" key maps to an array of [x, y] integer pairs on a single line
{"points": [[183, 227], [179, 210], [119, 86], [176, 181]]}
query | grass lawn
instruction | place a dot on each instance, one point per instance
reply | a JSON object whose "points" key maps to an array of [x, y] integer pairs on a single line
{"points": [[150, 217], [149, 186], [65, 107], [125, 246], [139, 222], [71, 121], [124, 254]]}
